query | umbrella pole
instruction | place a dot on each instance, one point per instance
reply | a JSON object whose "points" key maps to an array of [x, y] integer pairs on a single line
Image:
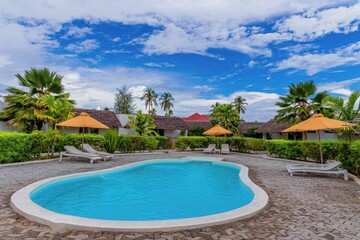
{"points": [[321, 155], [82, 146]]}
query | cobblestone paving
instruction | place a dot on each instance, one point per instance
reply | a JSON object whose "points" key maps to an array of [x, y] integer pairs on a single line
{"points": [[300, 207]]}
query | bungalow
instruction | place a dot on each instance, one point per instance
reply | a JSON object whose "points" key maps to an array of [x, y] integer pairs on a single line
{"points": [[251, 129], [272, 130], [169, 126], [165, 126], [3, 125], [198, 120], [108, 118]]}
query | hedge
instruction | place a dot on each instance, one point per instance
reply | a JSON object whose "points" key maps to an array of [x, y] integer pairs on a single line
{"points": [[132, 143], [238, 144], [16, 147], [345, 152]]}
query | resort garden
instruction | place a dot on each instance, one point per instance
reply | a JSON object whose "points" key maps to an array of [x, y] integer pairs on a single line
{"points": [[44, 101]]}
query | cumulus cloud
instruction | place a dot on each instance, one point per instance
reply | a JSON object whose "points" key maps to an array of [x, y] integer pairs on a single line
{"points": [[310, 25], [341, 87], [314, 63], [4, 60], [77, 32], [82, 47]]}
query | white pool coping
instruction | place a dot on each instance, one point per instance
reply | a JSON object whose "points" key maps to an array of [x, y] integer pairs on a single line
{"points": [[22, 204]]}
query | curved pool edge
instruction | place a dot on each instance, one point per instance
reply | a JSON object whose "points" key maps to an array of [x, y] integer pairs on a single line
{"points": [[22, 204]]}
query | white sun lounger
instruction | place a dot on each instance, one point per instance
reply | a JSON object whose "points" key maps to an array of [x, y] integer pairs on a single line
{"points": [[225, 149], [72, 151], [210, 148], [329, 168], [104, 155]]}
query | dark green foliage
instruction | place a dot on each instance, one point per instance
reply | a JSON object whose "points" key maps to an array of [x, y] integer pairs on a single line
{"points": [[75, 140], [132, 143], [237, 144], [15, 147], [164, 142], [111, 141], [124, 101], [352, 163], [254, 144], [191, 142], [196, 131], [308, 150]]}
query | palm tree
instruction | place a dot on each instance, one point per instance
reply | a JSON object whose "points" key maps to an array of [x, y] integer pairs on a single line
{"points": [[300, 103], [142, 123], [226, 116], [169, 114], [166, 102], [345, 111], [239, 104], [150, 98], [41, 99], [217, 104]]}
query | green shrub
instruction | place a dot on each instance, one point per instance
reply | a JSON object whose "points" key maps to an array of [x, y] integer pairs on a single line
{"points": [[132, 143], [238, 144], [164, 142], [352, 163], [111, 140], [254, 144], [16, 147], [284, 148], [191, 142], [75, 139]]}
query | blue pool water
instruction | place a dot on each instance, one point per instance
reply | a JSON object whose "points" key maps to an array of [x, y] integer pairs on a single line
{"points": [[160, 190]]}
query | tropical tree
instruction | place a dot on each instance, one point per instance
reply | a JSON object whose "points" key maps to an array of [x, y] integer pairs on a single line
{"points": [[40, 99], [142, 123], [239, 104], [213, 106], [226, 116], [150, 98], [166, 102], [300, 103], [152, 111], [124, 101], [169, 114], [345, 111]]}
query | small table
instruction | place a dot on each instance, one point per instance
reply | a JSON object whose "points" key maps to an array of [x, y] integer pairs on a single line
{"points": [[217, 151]]}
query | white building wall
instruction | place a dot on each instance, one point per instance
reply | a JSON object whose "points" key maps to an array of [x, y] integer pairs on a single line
{"points": [[4, 128], [127, 131], [172, 133], [276, 135], [323, 134]]}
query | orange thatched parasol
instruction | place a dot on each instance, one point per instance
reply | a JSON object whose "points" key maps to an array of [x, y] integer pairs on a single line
{"points": [[217, 130], [318, 122], [82, 121]]}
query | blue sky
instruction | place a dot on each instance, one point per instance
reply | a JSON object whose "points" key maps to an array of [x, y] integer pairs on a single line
{"points": [[202, 52]]}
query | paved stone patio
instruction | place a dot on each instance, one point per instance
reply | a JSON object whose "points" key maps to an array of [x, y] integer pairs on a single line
{"points": [[300, 207]]}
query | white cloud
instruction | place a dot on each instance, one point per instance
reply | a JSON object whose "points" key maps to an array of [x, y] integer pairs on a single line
{"points": [[203, 88], [77, 32], [314, 63], [117, 39], [342, 91], [162, 64], [84, 46], [4, 60], [311, 25], [251, 64], [340, 87]]}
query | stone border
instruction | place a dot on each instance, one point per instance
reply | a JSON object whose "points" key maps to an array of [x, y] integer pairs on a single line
{"points": [[22, 204]]}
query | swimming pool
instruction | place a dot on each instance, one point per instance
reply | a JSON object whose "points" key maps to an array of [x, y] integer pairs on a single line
{"points": [[152, 195]]}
